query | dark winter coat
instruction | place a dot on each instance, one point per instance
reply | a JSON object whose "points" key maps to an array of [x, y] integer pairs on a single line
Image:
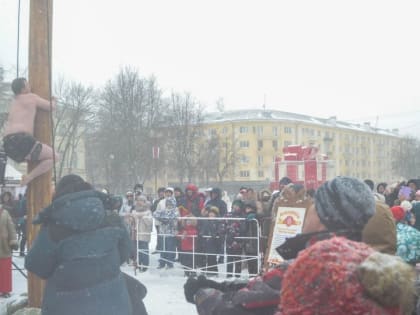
{"points": [[234, 230], [251, 228], [210, 233], [259, 296], [218, 202], [79, 250]]}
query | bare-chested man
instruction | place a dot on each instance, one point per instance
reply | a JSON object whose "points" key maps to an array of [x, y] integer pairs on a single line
{"points": [[19, 142]]}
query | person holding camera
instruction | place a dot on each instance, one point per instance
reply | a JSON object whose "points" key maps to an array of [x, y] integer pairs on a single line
{"points": [[8, 243], [79, 250]]}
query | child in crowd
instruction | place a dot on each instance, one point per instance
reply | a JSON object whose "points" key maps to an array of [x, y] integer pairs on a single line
{"points": [[168, 218], [210, 231], [234, 244], [187, 236]]}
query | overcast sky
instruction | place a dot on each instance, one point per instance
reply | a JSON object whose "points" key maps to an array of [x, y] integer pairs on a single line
{"points": [[357, 60]]}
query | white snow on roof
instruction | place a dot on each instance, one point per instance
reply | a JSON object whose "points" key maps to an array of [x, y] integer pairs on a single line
{"points": [[276, 115]]}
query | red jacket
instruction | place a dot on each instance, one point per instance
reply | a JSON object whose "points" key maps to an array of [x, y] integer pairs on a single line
{"points": [[186, 235]]}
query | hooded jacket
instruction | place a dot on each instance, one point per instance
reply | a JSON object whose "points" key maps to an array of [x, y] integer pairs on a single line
{"points": [[195, 202], [79, 250], [218, 202]]}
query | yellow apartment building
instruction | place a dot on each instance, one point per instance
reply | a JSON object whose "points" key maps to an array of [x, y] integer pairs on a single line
{"points": [[258, 136]]}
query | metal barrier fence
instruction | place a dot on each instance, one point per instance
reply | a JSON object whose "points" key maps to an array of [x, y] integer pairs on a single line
{"points": [[201, 260]]}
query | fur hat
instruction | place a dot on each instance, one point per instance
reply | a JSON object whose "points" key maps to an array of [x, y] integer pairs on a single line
{"points": [[406, 205], [344, 203], [341, 277]]}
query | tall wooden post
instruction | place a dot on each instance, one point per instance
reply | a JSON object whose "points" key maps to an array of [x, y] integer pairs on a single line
{"points": [[39, 190]]}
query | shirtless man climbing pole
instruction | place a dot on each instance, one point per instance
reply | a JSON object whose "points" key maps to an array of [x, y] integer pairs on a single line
{"points": [[19, 142]]}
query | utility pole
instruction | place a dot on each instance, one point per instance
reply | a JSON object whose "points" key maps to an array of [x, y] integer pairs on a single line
{"points": [[39, 190]]}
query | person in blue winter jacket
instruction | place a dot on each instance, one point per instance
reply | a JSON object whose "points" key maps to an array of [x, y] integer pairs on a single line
{"points": [[78, 251]]}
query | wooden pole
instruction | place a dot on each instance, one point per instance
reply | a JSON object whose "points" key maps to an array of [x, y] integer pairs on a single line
{"points": [[39, 190]]}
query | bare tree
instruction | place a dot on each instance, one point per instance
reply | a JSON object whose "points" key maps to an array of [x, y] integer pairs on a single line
{"points": [[185, 129], [406, 158], [130, 108], [73, 115], [219, 156], [228, 157]]}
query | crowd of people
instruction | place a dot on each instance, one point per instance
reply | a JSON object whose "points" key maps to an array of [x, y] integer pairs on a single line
{"points": [[367, 237], [354, 256], [197, 229]]}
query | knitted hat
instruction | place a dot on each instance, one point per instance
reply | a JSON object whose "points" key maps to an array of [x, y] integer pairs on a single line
{"points": [[341, 277], [285, 181], [344, 203], [239, 203], [398, 213]]}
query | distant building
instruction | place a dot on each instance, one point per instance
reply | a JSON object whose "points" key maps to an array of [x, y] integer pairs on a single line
{"points": [[258, 137]]}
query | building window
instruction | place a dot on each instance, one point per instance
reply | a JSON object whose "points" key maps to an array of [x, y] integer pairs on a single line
{"points": [[244, 173], [224, 130], [260, 130], [243, 129], [260, 160], [213, 132], [275, 131], [287, 143], [287, 130], [260, 173], [260, 144], [244, 159], [244, 144], [275, 144]]}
